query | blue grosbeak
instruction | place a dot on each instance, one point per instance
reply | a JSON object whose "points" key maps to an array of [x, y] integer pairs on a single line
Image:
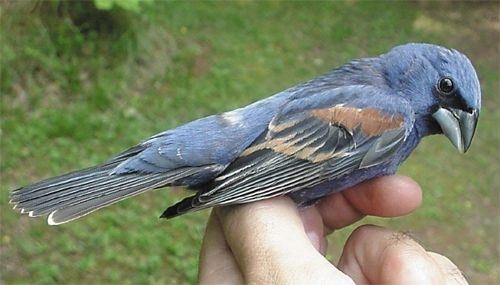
{"points": [[356, 122]]}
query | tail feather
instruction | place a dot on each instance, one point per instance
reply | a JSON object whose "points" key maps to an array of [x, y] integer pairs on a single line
{"points": [[101, 184], [139, 181], [122, 186], [87, 206], [54, 184], [75, 194], [79, 195], [49, 185], [49, 191]]}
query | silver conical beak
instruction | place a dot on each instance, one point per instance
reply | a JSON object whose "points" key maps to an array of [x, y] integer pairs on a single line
{"points": [[458, 126]]}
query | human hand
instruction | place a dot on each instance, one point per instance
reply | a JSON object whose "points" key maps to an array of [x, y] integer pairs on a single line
{"points": [[272, 242]]}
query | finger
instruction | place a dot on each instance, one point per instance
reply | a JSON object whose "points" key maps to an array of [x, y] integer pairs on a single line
{"points": [[270, 245], [314, 228], [374, 255], [453, 275], [386, 196], [337, 212], [217, 264]]}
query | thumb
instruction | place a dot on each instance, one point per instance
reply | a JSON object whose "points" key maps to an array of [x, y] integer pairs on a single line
{"points": [[270, 244]]}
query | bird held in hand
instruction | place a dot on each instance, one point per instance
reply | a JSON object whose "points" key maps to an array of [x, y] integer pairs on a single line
{"points": [[356, 122]]}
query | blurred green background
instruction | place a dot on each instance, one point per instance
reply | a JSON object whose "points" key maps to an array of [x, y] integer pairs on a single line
{"points": [[79, 84]]}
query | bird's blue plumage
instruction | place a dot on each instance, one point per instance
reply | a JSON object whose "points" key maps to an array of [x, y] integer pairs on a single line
{"points": [[356, 122], [217, 139]]}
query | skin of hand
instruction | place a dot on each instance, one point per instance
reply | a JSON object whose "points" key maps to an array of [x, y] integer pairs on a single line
{"points": [[273, 242]]}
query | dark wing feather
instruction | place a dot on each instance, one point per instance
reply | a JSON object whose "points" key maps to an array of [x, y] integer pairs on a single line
{"points": [[299, 151]]}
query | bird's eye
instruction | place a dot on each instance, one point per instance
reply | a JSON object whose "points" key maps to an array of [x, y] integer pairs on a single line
{"points": [[445, 86]]}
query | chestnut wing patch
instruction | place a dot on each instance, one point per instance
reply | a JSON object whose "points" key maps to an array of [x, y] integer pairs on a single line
{"points": [[370, 121], [304, 149]]}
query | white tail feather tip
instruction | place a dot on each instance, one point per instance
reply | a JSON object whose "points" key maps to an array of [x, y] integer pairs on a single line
{"points": [[50, 219]]}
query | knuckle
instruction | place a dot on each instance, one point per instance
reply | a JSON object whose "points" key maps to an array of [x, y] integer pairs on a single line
{"points": [[407, 262], [363, 231]]}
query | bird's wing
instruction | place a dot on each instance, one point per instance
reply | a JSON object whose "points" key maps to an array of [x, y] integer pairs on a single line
{"points": [[307, 143]]}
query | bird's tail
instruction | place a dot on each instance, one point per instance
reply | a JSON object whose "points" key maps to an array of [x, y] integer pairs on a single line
{"points": [[72, 195], [75, 194]]}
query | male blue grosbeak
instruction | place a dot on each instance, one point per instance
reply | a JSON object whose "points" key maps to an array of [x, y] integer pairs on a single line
{"points": [[356, 122]]}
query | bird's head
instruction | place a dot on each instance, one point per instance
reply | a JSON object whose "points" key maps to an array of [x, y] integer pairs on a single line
{"points": [[442, 86]]}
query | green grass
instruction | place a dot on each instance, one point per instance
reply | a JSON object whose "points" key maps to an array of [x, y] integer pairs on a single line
{"points": [[74, 94]]}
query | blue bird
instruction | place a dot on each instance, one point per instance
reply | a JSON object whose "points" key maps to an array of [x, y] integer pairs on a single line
{"points": [[356, 122]]}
